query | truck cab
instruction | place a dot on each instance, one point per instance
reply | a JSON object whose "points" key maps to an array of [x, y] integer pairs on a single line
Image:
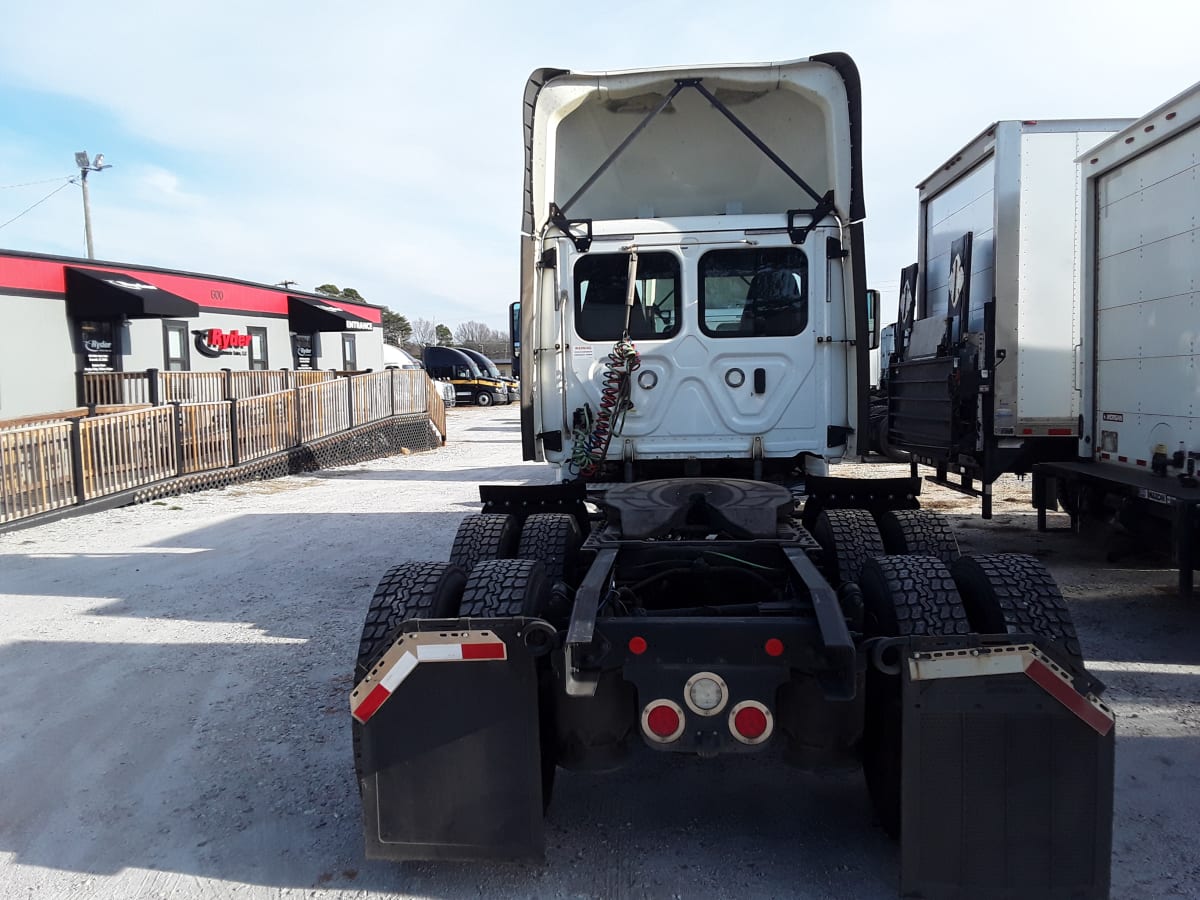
{"points": [[471, 385], [731, 196]]}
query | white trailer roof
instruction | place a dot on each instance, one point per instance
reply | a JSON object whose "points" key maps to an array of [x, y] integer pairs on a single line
{"points": [[1164, 122]]}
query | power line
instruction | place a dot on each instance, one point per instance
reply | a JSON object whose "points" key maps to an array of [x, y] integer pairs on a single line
{"points": [[39, 203], [4, 187]]}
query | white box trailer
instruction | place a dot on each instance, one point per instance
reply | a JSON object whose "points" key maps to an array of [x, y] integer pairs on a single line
{"points": [[984, 381], [1140, 365]]}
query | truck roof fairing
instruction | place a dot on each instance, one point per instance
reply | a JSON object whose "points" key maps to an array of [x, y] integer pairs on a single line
{"points": [[664, 174]]}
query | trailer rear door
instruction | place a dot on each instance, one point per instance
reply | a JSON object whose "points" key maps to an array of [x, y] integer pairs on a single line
{"points": [[1147, 273]]}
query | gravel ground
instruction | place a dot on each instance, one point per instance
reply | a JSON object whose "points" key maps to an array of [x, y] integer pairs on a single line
{"points": [[176, 677]]}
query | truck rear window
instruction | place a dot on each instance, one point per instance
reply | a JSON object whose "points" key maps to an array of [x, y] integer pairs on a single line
{"points": [[601, 284], [754, 293]]}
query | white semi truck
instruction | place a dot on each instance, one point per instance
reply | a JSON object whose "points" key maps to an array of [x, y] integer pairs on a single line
{"points": [[1139, 363], [984, 380], [694, 336]]}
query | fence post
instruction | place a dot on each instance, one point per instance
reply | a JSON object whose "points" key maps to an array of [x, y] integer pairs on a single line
{"points": [[152, 387], [178, 437], [77, 461], [299, 410], [350, 400], [392, 370], [234, 453], [228, 384], [80, 389]]}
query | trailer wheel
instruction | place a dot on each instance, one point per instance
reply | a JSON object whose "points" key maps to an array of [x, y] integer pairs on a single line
{"points": [[411, 590], [553, 539], [902, 596], [1006, 593], [484, 536], [918, 531], [849, 538]]}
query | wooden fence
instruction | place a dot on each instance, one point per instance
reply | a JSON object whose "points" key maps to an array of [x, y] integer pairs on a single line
{"points": [[324, 409], [204, 437], [126, 450], [154, 387], [56, 464], [265, 424], [35, 470]]}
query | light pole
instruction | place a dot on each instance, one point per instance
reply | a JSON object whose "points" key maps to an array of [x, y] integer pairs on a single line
{"points": [[81, 160]]}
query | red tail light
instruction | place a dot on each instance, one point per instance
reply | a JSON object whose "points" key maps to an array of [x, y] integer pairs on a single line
{"points": [[662, 720], [751, 722]]}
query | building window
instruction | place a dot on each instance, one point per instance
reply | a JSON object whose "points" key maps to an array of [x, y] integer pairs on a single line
{"points": [[176, 357], [258, 348], [349, 357]]}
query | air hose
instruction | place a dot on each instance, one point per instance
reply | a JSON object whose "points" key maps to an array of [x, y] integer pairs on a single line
{"points": [[592, 436]]}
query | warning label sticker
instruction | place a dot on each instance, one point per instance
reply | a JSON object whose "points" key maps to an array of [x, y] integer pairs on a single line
{"points": [[582, 351], [1114, 417]]}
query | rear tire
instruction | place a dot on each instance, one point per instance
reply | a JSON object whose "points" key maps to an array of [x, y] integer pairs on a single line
{"points": [[902, 596], [484, 536], [507, 588], [553, 539], [411, 590], [920, 532], [1009, 593], [849, 538], [503, 588]]}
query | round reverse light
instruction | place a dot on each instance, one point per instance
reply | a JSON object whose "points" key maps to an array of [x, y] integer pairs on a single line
{"points": [[735, 378], [647, 380], [706, 693], [662, 721]]}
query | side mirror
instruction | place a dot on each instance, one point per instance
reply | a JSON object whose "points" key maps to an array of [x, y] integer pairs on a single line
{"points": [[872, 319]]}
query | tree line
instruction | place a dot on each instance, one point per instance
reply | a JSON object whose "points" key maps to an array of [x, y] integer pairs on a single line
{"points": [[417, 334]]}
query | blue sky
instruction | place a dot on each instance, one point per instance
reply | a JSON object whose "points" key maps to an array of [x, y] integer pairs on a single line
{"points": [[379, 146]]}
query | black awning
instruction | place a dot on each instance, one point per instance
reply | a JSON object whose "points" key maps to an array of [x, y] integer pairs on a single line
{"points": [[94, 294], [306, 316]]}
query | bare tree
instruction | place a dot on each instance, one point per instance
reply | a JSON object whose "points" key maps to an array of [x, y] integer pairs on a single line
{"points": [[472, 334], [424, 333]]}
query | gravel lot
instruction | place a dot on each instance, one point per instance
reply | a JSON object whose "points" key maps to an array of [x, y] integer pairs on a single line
{"points": [[175, 721]]}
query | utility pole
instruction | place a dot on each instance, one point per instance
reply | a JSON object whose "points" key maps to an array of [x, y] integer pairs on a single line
{"points": [[85, 166]]}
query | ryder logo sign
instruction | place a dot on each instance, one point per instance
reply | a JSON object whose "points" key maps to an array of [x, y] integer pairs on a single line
{"points": [[215, 343]]}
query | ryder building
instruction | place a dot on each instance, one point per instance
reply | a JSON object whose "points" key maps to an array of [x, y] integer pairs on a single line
{"points": [[64, 316]]}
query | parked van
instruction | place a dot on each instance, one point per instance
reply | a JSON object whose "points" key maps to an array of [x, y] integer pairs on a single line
{"points": [[471, 385]]}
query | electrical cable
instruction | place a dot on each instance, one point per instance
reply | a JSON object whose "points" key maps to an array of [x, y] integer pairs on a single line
{"points": [[39, 203], [5, 187]]}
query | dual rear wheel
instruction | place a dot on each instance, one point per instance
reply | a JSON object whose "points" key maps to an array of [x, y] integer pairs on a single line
{"points": [[926, 588]]}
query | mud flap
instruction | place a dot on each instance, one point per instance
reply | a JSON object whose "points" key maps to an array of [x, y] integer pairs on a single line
{"points": [[1007, 774], [449, 760]]}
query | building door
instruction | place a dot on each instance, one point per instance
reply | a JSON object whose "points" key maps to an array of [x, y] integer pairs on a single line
{"points": [[349, 357], [176, 357], [258, 349]]}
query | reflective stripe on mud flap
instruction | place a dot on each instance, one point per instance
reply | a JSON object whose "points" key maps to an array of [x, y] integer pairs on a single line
{"points": [[1011, 660], [414, 648]]}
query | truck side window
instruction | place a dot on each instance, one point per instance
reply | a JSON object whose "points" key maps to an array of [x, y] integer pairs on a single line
{"points": [[601, 283], [754, 293]]}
